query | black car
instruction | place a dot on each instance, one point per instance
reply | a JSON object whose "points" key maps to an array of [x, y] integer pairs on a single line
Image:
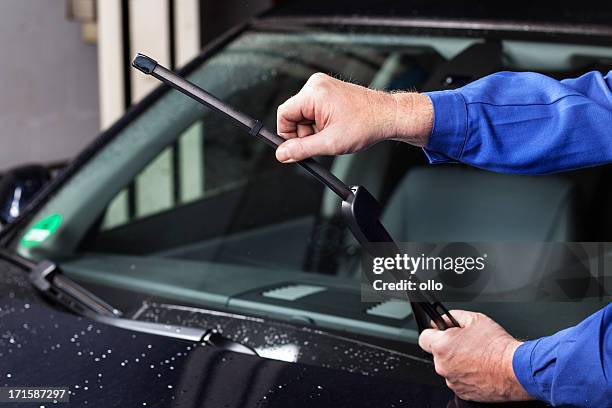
{"points": [[174, 262]]}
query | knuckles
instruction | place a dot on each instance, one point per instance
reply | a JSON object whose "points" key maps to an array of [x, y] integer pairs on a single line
{"points": [[318, 83], [318, 78], [441, 348], [441, 369], [282, 108], [479, 316]]}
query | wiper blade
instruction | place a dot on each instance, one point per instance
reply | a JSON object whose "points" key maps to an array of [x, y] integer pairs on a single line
{"points": [[360, 209], [48, 279], [252, 126]]}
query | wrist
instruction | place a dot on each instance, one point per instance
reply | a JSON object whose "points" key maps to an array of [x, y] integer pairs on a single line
{"points": [[414, 118], [514, 389]]}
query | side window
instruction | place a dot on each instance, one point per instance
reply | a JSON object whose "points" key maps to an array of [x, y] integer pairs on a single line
{"points": [[176, 176]]}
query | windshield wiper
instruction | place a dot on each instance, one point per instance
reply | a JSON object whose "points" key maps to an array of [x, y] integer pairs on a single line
{"points": [[47, 277], [49, 280], [360, 209]]}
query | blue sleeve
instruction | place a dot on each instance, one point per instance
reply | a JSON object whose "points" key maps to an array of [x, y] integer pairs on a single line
{"points": [[572, 367], [524, 123]]}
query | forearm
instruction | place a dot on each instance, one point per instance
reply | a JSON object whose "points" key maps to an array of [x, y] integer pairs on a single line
{"points": [[515, 123], [570, 367]]}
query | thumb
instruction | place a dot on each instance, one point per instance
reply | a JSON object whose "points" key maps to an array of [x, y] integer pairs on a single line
{"points": [[297, 149]]}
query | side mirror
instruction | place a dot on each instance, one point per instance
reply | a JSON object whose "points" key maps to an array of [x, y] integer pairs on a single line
{"points": [[18, 187]]}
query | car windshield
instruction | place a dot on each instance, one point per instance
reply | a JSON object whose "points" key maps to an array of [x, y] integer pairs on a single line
{"points": [[184, 205]]}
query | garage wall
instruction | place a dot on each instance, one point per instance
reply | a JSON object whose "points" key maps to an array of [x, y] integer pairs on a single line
{"points": [[49, 84], [57, 91]]}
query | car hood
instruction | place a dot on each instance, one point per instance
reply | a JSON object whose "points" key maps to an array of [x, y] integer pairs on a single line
{"points": [[101, 364]]}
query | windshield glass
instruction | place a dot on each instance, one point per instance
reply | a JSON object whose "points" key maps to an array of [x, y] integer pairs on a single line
{"points": [[185, 205]]}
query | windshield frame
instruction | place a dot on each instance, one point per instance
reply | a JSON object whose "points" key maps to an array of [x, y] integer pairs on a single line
{"points": [[592, 34]]}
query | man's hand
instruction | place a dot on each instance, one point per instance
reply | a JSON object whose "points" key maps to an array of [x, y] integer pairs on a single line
{"points": [[330, 117], [476, 359]]}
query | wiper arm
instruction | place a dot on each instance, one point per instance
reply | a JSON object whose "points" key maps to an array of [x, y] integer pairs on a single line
{"points": [[208, 337], [48, 279], [360, 209]]}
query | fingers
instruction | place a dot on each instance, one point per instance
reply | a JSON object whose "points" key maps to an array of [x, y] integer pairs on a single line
{"points": [[327, 117], [295, 122], [428, 337], [300, 148], [295, 116], [448, 321], [304, 130], [463, 317]]}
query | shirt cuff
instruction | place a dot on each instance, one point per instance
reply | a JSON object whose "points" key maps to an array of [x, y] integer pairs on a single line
{"points": [[522, 366], [449, 131]]}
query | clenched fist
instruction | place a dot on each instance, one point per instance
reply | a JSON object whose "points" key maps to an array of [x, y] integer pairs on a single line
{"points": [[475, 359], [331, 117]]}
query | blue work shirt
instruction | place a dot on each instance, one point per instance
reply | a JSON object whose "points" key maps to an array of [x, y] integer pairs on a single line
{"points": [[528, 123]]}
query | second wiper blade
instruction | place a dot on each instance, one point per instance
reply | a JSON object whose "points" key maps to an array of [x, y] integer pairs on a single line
{"points": [[48, 279]]}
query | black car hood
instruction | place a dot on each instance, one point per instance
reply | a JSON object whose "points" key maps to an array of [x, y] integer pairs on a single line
{"points": [[107, 366], [563, 12]]}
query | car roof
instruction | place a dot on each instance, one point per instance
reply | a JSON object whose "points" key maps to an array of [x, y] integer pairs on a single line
{"points": [[563, 12]]}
